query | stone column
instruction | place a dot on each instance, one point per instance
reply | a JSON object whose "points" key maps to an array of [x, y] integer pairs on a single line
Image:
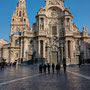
{"points": [[38, 48], [21, 56], [24, 49], [61, 54], [66, 49], [71, 50], [44, 49]]}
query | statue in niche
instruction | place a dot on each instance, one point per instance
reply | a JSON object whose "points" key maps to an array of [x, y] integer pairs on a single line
{"points": [[41, 26], [41, 23]]}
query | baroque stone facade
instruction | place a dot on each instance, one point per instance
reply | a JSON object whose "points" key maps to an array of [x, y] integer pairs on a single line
{"points": [[53, 37]]}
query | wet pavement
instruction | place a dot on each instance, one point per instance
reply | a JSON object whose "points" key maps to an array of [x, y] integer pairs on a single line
{"points": [[28, 78]]}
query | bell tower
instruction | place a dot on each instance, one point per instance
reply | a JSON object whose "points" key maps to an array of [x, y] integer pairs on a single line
{"points": [[19, 23], [19, 19]]}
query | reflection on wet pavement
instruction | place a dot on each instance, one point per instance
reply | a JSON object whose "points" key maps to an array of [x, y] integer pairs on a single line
{"points": [[51, 81]]}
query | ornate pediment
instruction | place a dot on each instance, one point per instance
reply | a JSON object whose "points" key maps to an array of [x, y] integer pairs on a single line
{"points": [[55, 3], [41, 10], [54, 12]]}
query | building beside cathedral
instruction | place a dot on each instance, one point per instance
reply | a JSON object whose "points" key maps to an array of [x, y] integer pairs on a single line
{"points": [[53, 37], [2, 42]]}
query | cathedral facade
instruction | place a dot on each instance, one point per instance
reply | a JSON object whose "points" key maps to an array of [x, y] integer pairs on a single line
{"points": [[53, 37]]}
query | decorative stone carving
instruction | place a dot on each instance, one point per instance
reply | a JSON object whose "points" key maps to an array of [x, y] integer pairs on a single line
{"points": [[54, 2], [52, 21], [41, 11], [54, 12]]}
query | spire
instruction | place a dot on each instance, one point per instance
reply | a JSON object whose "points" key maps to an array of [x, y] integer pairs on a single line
{"points": [[22, 0], [21, 3]]}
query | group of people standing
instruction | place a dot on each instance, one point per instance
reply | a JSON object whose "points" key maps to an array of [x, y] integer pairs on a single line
{"points": [[4, 64], [47, 67]]}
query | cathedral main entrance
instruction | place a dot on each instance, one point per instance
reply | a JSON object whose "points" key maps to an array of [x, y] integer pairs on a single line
{"points": [[54, 57]]}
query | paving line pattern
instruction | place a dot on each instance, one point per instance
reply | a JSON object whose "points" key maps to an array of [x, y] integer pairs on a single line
{"points": [[80, 75], [11, 81], [28, 77]]}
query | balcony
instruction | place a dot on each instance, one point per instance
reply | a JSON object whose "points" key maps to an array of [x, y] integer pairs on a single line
{"points": [[41, 33]]}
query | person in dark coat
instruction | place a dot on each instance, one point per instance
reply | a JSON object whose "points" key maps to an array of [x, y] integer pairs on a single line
{"points": [[53, 67], [44, 67], [48, 68], [80, 61], [14, 64], [57, 68], [40, 68], [1, 66], [64, 64]]}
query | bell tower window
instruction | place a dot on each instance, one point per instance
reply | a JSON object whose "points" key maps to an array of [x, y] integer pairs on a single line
{"points": [[24, 20], [12, 20], [20, 14]]}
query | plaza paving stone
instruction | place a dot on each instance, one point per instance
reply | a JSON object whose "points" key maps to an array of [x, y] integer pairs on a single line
{"points": [[32, 80]]}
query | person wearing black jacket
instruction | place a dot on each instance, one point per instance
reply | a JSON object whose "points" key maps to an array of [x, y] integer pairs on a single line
{"points": [[44, 67], [57, 68], [53, 67], [40, 68], [48, 68], [64, 64]]}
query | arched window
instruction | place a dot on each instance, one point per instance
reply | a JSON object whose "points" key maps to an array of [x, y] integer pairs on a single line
{"points": [[68, 19], [42, 20], [12, 20], [20, 14], [24, 20]]}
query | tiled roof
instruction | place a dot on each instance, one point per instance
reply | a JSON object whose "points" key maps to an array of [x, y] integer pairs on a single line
{"points": [[2, 42]]}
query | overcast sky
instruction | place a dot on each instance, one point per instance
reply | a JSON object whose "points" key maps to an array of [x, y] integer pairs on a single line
{"points": [[80, 10]]}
